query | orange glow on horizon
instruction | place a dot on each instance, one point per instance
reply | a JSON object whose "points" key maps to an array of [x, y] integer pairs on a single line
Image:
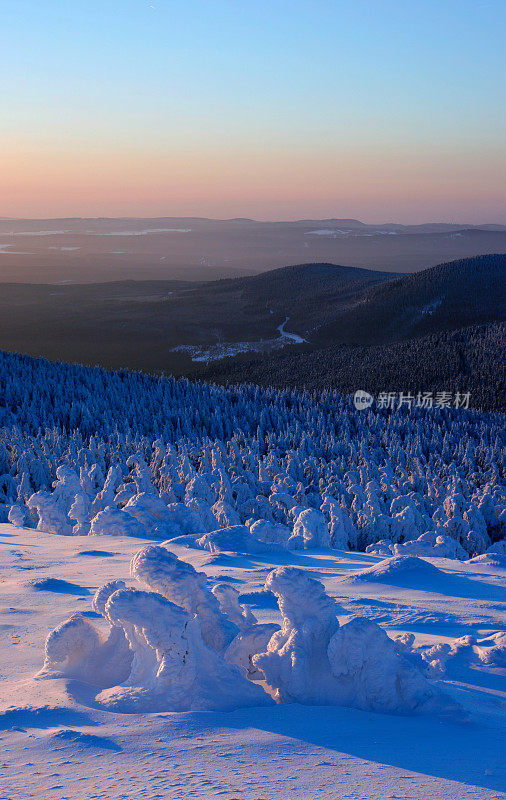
{"points": [[219, 182]]}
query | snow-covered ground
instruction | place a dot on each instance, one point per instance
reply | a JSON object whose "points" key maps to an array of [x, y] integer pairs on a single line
{"points": [[5, 249], [63, 249], [59, 742], [143, 232]]}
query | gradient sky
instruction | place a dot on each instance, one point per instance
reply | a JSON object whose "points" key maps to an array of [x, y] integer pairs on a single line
{"points": [[385, 110]]}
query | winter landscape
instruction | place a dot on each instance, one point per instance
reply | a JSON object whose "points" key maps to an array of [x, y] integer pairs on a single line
{"points": [[247, 593], [252, 401]]}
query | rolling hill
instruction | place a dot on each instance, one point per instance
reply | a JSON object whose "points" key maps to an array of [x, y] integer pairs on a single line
{"points": [[138, 324], [441, 329], [376, 330], [442, 298], [188, 248]]}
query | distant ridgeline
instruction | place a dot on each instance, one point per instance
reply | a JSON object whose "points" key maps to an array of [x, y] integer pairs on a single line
{"points": [[306, 469]]}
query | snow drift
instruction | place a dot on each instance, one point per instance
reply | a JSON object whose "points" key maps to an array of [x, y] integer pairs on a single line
{"points": [[400, 570]]}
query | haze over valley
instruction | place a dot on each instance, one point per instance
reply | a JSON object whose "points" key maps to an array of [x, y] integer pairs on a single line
{"points": [[187, 248]]}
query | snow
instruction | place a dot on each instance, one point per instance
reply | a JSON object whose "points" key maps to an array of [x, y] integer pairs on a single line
{"points": [[327, 232], [172, 669], [34, 233], [310, 530], [288, 598], [115, 521], [57, 742], [161, 571], [233, 538], [217, 352], [399, 570], [143, 232], [63, 249], [294, 337], [5, 250], [256, 456]]}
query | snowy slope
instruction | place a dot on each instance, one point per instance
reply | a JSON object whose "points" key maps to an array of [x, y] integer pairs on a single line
{"points": [[57, 743]]}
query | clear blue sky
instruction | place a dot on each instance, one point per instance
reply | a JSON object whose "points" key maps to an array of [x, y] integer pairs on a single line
{"points": [[374, 109]]}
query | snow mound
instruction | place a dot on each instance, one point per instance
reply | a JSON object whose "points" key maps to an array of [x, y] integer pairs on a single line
{"points": [[71, 646], [490, 559], [384, 547], [234, 539], [429, 544], [76, 649], [470, 650], [401, 570], [372, 674], [113, 521], [271, 533], [151, 512]]}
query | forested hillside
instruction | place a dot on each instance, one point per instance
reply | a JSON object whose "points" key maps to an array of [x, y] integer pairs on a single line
{"points": [[467, 360], [244, 469], [442, 298]]}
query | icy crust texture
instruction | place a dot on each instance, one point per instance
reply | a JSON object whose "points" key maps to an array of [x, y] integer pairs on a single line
{"points": [[244, 469], [314, 661]]}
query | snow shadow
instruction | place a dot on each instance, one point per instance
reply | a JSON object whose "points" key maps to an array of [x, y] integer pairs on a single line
{"points": [[440, 584], [259, 599], [465, 752], [291, 558], [84, 741], [42, 717], [58, 586]]}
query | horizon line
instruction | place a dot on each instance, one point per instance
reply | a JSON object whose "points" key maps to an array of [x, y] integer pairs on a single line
{"points": [[301, 220]]}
